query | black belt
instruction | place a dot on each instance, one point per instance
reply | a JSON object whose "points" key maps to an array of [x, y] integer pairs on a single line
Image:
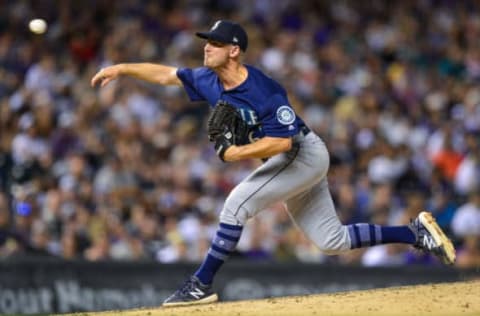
{"points": [[305, 130]]}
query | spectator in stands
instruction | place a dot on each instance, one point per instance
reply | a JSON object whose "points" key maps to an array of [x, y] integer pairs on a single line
{"points": [[395, 102], [466, 220]]}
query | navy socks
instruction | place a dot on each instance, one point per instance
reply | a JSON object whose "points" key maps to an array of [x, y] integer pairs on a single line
{"points": [[361, 235], [222, 246], [366, 235]]}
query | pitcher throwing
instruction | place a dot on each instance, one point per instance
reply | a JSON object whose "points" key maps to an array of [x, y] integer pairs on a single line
{"points": [[295, 165]]}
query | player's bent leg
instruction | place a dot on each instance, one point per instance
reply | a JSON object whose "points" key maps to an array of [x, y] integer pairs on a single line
{"points": [[278, 179], [314, 213]]}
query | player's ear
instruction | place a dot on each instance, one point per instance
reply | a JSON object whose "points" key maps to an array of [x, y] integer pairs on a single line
{"points": [[234, 51]]}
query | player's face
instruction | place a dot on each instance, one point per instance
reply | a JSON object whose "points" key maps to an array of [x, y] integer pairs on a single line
{"points": [[215, 54]]}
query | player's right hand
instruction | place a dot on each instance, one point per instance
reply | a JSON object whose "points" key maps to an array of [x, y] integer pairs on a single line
{"points": [[105, 75]]}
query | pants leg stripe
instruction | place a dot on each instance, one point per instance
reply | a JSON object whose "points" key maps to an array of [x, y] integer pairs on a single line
{"points": [[297, 149]]}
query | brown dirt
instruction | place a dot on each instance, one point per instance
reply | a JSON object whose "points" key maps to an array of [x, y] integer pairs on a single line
{"points": [[448, 299]]}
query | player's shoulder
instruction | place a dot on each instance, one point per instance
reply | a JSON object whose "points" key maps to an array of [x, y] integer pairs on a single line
{"points": [[199, 72], [202, 76], [264, 81], [203, 72], [257, 73]]}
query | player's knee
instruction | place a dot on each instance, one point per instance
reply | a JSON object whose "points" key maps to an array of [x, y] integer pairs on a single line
{"points": [[233, 214], [231, 217]]}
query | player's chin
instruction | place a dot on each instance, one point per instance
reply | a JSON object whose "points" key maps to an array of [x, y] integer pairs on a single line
{"points": [[208, 63]]}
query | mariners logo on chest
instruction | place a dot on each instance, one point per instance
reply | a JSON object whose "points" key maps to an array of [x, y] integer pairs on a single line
{"points": [[249, 116]]}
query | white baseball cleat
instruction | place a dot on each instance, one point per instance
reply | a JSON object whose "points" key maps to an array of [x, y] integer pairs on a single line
{"points": [[431, 238]]}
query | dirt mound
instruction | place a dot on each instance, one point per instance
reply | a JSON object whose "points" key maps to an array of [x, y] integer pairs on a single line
{"points": [[449, 299]]}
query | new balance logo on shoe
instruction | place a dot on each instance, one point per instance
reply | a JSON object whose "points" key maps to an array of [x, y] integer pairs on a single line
{"points": [[197, 293], [191, 293], [429, 242], [431, 238]]}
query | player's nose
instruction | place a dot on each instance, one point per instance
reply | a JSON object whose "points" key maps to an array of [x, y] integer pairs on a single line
{"points": [[207, 47]]}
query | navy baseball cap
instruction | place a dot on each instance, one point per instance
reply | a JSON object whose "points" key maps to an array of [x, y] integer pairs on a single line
{"points": [[226, 32]]}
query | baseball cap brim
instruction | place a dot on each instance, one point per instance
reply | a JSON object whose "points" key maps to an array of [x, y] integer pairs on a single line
{"points": [[213, 36]]}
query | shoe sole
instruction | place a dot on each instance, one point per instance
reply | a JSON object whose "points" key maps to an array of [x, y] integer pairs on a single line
{"points": [[206, 300], [428, 221]]}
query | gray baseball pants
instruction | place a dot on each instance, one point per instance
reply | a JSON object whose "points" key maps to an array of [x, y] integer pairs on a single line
{"points": [[299, 178]]}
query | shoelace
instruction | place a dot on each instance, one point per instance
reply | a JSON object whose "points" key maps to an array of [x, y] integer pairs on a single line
{"points": [[421, 233], [187, 287]]}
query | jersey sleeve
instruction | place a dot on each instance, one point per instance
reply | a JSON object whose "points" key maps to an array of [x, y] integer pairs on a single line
{"points": [[279, 119], [189, 79]]}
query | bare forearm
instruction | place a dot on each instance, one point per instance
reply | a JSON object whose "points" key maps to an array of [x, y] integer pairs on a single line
{"points": [[155, 73], [263, 148]]}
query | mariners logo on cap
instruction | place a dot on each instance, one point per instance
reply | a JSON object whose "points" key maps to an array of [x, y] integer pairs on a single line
{"points": [[215, 25], [285, 115]]}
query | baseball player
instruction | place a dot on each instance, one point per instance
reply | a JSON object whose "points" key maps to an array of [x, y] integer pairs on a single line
{"points": [[295, 167]]}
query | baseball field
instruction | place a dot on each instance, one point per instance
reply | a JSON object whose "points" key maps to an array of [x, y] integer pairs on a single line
{"points": [[448, 299]]}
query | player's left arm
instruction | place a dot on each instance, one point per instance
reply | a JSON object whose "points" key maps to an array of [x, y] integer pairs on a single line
{"points": [[263, 148]]}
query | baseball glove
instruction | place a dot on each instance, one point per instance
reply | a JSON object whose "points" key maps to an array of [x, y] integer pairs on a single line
{"points": [[226, 127]]}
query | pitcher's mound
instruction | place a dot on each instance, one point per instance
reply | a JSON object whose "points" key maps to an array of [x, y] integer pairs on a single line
{"points": [[448, 299]]}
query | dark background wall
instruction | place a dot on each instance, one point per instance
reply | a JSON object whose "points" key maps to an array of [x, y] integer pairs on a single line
{"points": [[51, 286]]}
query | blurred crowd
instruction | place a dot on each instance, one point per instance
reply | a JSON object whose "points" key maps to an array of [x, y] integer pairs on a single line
{"points": [[126, 172]]}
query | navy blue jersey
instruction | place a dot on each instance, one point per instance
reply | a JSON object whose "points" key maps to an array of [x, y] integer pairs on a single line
{"points": [[261, 101]]}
